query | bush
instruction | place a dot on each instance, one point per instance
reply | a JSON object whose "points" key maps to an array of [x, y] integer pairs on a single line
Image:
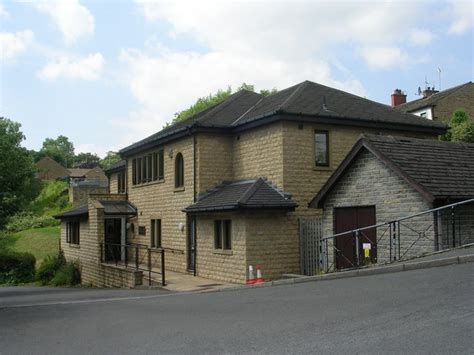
{"points": [[49, 267], [67, 275], [16, 267], [27, 220]]}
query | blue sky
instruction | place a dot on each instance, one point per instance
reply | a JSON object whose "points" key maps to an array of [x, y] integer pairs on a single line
{"points": [[107, 73]]}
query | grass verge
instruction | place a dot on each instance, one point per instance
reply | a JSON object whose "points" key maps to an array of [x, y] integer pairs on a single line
{"points": [[40, 242]]}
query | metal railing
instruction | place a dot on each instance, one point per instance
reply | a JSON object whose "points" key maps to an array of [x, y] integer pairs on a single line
{"points": [[399, 239], [136, 256]]}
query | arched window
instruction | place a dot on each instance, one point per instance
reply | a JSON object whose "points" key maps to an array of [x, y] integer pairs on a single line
{"points": [[179, 171]]}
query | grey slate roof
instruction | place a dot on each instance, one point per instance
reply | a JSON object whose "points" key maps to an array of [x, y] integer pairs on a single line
{"points": [[430, 100], [118, 207], [309, 99], [246, 194], [75, 212], [120, 165], [444, 169], [111, 207], [438, 170]]}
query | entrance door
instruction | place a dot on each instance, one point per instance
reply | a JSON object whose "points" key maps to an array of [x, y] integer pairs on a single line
{"points": [[191, 244], [113, 233], [352, 218]]}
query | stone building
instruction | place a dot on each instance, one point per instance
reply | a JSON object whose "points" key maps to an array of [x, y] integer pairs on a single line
{"points": [[438, 105], [255, 162], [384, 178], [49, 169], [84, 182]]}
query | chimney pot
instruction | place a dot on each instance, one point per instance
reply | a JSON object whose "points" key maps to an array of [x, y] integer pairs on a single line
{"points": [[398, 97]]}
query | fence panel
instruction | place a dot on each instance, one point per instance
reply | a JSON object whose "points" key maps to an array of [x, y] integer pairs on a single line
{"points": [[311, 253]]}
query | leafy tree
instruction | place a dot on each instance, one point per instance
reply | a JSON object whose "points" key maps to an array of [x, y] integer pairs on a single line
{"points": [[212, 99], [201, 104], [86, 160], [460, 128], [110, 159], [16, 170], [60, 149]]}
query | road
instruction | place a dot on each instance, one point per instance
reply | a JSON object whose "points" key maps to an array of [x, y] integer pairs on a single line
{"points": [[427, 311]]}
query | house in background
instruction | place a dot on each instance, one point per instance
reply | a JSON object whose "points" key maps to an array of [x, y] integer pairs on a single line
{"points": [[384, 178], [227, 187], [438, 105], [50, 169]]}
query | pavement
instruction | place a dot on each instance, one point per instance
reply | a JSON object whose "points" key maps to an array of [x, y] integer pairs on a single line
{"points": [[428, 311], [182, 282]]}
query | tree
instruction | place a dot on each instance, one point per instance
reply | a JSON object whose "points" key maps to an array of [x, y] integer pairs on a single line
{"points": [[16, 170], [86, 160], [60, 149], [460, 128], [110, 159], [212, 99]]}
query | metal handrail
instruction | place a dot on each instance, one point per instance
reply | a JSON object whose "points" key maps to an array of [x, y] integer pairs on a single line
{"points": [[137, 248], [394, 236], [400, 219]]}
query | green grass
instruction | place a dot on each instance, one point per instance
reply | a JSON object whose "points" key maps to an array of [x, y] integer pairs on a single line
{"points": [[40, 242]]}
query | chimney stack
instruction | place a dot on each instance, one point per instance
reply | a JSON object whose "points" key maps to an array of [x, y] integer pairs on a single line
{"points": [[398, 97], [429, 91]]}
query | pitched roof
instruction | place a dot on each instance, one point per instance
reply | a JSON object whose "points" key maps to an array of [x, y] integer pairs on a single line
{"points": [[432, 99], [220, 115], [111, 207], [246, 194], [78, 172], [120, 165], [436, 169], [316, 102]]}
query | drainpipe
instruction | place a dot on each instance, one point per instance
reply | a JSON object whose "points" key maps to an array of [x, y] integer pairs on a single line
{"points": [[194, 201]]}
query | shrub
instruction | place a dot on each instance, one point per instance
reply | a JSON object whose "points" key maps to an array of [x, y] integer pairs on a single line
{"points": [[67, 275], [27, 220], [16, 267], [49, 267]]}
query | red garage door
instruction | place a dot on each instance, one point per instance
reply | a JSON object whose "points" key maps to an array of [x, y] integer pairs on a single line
{"points": [[352, 218]]}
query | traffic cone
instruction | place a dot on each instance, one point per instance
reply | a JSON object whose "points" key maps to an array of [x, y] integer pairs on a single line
{"points": [[251, 280], [259, 278]]}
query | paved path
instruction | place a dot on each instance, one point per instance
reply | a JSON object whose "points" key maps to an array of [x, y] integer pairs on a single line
{"points": [[427, 311]]}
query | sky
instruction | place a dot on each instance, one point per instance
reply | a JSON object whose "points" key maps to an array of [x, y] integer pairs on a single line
{"points": [[107, 73]]}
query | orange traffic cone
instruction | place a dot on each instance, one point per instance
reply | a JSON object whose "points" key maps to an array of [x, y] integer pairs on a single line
{"points": [[251, 280], [259, 278]]}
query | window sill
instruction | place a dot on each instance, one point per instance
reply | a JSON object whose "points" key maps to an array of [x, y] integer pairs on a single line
{"points": [[75, 246], [148, 183], [224, 252], [179, 189], [322, 168]]}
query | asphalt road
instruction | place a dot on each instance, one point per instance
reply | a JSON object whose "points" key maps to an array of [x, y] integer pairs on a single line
{"points": [[427, 311]]}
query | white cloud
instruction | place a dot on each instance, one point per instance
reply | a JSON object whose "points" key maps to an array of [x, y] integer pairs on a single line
{"points": [[173, 80], [266, 43], [421, 37], [73, 19], [463, 16], [87, 68], [3, 13], [384, 57], [14, 43]]}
